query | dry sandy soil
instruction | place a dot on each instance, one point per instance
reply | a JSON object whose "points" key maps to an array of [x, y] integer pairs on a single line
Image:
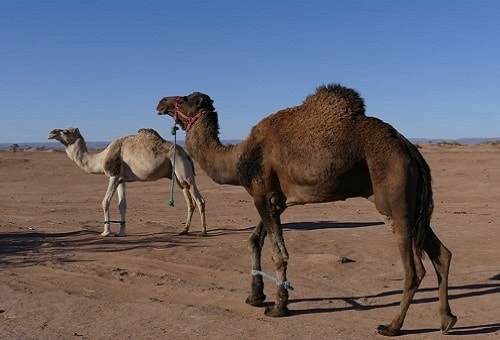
{"points": [[60, 279]]}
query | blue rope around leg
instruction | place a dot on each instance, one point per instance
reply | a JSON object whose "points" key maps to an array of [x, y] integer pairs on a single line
{"points": [[285, 284]]}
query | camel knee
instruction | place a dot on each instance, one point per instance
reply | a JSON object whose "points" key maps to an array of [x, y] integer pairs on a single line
{"points": [[201, 206], [105, 204], [252, 243], [421, 273], [255, 243], [419, 266], [412, 281], [191, 203], [446, 254], [280, 260], [122, 206]]}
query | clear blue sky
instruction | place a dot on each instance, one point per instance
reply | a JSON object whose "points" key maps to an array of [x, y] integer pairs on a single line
{"points": [[429, 68]]}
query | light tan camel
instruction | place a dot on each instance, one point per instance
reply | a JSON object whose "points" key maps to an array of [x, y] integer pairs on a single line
{"points": [[323, 150], [145, 156]]}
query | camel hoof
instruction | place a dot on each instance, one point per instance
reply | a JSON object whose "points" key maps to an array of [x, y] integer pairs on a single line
{"points": [[120, 234], [184, 232], [449, 325], [256, 300], [203, 233], [387, 330], [106, 233], [276, 312]]}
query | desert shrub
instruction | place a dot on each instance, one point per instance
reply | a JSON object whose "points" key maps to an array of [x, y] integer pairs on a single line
{"points": [[14, 147], [449, 143]]}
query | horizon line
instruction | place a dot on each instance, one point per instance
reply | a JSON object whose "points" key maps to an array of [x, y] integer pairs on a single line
{"points": [[465, 140]]}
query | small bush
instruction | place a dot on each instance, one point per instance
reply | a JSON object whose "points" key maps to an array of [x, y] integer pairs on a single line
{"points": [[448, 143], [14, 147]]}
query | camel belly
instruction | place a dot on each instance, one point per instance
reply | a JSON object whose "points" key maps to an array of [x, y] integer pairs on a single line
{"points": [[306, 194], [358, 186], [147, 169], [325, 184]]}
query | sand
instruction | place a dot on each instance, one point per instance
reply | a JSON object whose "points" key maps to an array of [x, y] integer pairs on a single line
{"points": [[60, 279]]}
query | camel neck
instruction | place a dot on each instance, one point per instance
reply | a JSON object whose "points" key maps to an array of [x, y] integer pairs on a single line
{"points": [[217, 160], [79, 154]]}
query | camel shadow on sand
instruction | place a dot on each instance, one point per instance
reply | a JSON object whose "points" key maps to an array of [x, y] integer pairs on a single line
{"points": [[357, 303], [30, 248], [318, 225], [310, 225]]}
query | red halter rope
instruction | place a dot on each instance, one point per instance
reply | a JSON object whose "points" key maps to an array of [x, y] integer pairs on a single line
{"points": [[190, 120]]}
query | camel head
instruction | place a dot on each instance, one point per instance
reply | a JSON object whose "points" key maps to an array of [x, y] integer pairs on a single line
{"points": [[67, 136], [186, 110]]}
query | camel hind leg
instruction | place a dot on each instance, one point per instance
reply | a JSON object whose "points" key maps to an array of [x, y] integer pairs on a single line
{"points": [[184, 175], [190, 211], [200, 204], [192, 197], [414, 272], [440, 257]]}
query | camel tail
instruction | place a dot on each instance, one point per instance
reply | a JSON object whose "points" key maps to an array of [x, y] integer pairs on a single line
{"points": [[425, 203]]}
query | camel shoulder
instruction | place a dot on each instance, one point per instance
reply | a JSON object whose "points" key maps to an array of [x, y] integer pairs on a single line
{"points": [[112, 157]]}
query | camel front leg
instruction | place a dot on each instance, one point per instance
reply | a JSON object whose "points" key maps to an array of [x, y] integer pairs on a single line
{"points": [[112, 185], [269, 211], [192, 197], [280, 258], [122, 206], [255, 244]]}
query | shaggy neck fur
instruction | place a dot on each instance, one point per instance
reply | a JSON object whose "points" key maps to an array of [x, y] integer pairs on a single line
{"points": [[217, 160]]}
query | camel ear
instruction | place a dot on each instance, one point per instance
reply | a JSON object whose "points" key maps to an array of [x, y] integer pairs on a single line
{"points": [[206, 103]]}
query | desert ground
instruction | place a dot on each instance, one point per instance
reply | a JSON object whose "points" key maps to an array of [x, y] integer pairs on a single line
{"points": [[60, 279]]}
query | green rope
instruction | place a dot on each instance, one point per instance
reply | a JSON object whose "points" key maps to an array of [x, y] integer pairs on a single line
{"points": [[171, 201], [108, 222]]}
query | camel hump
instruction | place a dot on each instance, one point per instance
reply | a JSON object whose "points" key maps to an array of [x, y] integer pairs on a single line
{"points": [[150, 133], [337, 98]]}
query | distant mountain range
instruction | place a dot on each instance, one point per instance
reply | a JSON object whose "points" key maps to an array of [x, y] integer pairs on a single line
{"points": [[99, 145], [462, 141]]}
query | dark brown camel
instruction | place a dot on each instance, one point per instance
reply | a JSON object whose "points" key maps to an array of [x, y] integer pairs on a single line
{"points": [[321, 151]]}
